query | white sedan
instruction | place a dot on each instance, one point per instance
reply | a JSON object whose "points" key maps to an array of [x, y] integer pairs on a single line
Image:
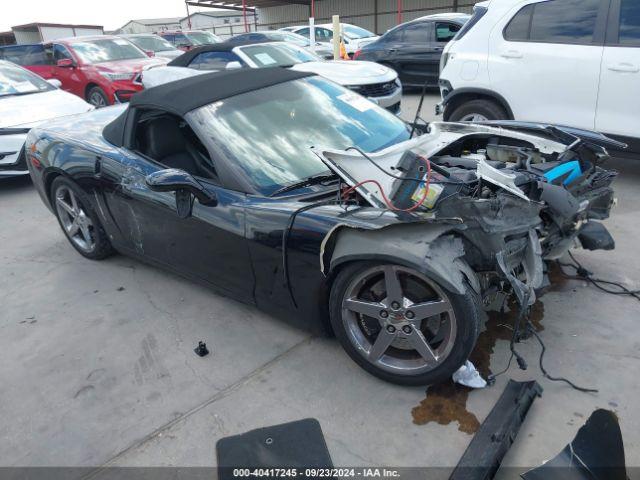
{"points": [[354, 37], [376, 82], [26, 100]]}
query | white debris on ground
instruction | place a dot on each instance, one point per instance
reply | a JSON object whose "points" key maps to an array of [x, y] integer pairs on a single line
{"points": [[469, 376]]}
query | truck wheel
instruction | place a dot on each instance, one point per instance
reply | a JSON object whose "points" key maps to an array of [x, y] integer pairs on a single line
{"points": [[479, 110], [400, 325]]}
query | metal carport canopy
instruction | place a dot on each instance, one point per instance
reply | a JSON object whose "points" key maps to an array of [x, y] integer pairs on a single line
{"points": [[238, 5]]}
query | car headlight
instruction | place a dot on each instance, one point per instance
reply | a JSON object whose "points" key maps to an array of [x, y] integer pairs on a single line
{"points": [[114, 77], [443, 61]]}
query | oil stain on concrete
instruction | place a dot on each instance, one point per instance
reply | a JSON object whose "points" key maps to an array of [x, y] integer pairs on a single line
{"points": [[447, 402]]}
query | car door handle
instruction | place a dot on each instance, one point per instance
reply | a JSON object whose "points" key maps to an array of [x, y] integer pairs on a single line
{"points": [[393, 50], [511, 54], [624, 67]]}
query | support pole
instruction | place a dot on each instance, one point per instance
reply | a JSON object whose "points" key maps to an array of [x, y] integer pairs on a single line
{"points": [[244, 15], [188, 15], [399, 12], [337, 37], [375, 17]]}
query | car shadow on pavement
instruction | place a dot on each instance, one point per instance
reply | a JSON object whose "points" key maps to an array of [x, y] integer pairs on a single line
{"points": [[14, 184]]}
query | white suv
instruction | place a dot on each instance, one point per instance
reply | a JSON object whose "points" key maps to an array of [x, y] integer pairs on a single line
{"points": [[569, 62]]}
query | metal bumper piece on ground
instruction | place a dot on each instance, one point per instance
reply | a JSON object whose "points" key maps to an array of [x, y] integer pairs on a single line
{"points": [[497, 433]]}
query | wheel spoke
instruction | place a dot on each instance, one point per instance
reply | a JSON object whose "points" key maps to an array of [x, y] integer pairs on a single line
{"points": [[381, 344], [370, 309], [420, 344], [68, 208], [392, 285], [86, 234], [73, 228], [429, 309], [74, 203]]}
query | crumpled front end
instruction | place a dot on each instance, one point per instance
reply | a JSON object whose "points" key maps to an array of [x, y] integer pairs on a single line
{"points": [[505, 199]]}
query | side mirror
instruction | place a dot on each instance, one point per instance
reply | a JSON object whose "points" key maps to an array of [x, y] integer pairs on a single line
{"points": [[65, 63], [55, 82], [233, 66], [179, 181], [150, 53]]}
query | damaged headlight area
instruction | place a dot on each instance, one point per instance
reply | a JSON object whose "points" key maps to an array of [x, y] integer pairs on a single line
{"points": [[515, 196]]}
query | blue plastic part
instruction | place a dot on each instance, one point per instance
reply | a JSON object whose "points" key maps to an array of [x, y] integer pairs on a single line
{"points": [[572, 168]]}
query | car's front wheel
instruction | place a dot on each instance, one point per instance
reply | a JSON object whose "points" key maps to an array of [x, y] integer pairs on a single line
{"points": [[479, 110], [400, 325], [97, 97], [78, 221]]}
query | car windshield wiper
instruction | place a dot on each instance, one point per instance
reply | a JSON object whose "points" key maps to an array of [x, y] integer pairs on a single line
{"points": [[306, 182]]}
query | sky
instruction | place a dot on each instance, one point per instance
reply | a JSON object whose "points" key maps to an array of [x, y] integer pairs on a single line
{"points": [[111, 14]]}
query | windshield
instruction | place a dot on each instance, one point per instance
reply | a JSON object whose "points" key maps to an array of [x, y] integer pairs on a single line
{"points": [[25, 54], [352, 31], [152, 43], [107, 50], [18, 81], [268, 133], [289, 37], [203, 38], [278, 55]]}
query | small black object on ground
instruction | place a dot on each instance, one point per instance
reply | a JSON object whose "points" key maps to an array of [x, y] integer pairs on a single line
{"points": [[201, 350]]}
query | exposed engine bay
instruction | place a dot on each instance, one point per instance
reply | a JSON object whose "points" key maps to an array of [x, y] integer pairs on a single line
{"points": [[522, 193]]}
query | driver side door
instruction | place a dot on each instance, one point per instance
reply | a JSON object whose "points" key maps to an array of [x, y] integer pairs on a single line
{"points": [[209, 244]]}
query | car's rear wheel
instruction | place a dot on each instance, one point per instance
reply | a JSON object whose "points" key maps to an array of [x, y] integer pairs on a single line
{"points": [[400, 325], [479, 110], [78, 221], [97, 97]]}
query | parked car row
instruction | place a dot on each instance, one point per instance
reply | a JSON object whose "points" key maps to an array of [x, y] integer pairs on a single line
{"points": [[103, 69], [376, 82]]}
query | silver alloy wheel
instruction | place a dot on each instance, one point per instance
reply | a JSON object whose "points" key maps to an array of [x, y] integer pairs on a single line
{"points": [[76, 223], [474, 117], [97, 100], [399, 320]]}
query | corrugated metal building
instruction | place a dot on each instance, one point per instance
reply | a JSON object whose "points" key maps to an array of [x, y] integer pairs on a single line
{"points": [[375, 15], [43, 32], [150, 25]]}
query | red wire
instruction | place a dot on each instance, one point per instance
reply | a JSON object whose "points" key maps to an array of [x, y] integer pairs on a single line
{"points": [[390, 206]]}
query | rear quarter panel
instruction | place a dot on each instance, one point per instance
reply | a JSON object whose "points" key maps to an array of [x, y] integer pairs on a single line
{"points": [[68, 146]]}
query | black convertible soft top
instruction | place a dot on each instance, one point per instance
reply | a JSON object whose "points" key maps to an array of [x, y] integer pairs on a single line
{"points": [[185, 59], [182, 96]]}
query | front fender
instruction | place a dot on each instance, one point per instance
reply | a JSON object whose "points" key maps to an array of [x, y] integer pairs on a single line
{"points": [[430, 249]]}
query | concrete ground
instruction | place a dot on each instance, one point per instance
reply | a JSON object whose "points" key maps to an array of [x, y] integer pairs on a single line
{"points": [[97, 364]]}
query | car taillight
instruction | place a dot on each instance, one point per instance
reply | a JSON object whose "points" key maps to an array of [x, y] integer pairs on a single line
{"points": [[357, 54]]}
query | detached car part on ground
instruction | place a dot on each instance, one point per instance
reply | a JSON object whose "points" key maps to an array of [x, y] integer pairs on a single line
{"points": [[27, 100], [215, 177]]}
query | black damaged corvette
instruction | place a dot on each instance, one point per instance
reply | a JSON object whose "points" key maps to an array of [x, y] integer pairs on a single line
{"points": [[290, 192]]}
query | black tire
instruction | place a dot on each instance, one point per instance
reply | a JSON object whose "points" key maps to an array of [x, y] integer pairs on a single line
{"points": [[101, 246], [467, 316], [486, 108], [97, 97]]}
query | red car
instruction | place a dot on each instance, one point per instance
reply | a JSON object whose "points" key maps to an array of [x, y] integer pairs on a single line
{"points": [[187, 39], [101, 69]]}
